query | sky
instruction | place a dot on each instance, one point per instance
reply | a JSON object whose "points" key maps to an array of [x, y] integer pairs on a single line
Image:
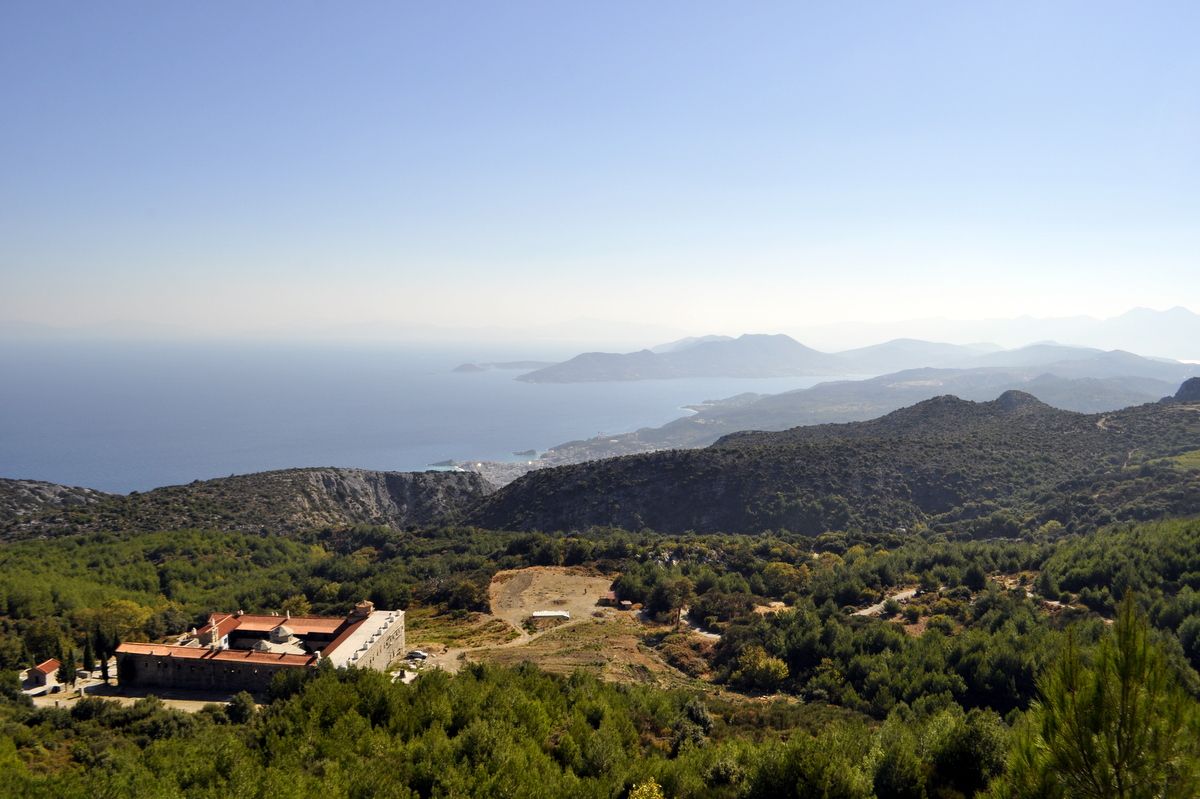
{"points": [[703, 167]]}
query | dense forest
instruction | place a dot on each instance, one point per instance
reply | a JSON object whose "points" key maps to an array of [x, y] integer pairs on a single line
{"points": [[521, 733], [938, 697]]}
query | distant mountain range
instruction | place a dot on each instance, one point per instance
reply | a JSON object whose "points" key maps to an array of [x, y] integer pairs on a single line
{"points": [[757, 356], [1174, 332], [749, 355]]}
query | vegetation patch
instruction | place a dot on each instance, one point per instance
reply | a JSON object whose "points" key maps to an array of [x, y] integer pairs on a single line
{"points": [[458, 628]]}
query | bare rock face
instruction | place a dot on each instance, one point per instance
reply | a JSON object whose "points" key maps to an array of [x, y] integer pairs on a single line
{"points": [[394, 499], [284, 501], [1189, 391], [19, 498]]}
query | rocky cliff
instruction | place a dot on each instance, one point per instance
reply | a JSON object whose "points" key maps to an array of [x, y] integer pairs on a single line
{"points": [[1189, 391], [22, 498], [283, 501]]}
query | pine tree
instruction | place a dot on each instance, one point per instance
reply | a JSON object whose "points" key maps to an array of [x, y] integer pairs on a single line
{"points": [[1117, 727]]}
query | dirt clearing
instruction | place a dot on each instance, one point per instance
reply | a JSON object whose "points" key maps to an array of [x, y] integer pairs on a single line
{"points": [[515, 595], [603, 640], [612, 648]]}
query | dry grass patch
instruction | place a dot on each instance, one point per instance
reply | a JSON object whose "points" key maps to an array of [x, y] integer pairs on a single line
{"points": [[425, 626], [611, 648]]}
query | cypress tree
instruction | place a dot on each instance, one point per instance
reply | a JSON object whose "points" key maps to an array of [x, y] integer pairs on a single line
{"points": [[100, 644], [89, 660], [66, 671]]}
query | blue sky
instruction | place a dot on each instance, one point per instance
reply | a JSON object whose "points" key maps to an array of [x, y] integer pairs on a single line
{"points": [[709, 167]]}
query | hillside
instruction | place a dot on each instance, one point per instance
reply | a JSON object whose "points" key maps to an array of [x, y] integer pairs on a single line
{"points": [[1189, 391], [945, 461], [908, 353], [21, 498], [279, 501], [859, 400]]}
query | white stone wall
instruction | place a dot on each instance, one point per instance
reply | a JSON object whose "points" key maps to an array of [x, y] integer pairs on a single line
{"points": [[387, 647], [374, 644]]}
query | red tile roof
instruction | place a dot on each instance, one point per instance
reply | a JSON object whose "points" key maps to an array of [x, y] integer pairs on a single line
{"points": [[342, 636], [164, 650], [48, 667], [226, 623], [300, 625], [202, 653], [264, 657]]}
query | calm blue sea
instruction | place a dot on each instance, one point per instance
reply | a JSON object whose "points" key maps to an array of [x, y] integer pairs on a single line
{"points": [[132, 417]]}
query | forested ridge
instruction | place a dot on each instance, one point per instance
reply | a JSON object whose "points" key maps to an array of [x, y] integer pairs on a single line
{"points": [[931, 698], [985, 469]]}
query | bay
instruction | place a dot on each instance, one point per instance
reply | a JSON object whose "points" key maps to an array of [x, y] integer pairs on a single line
{"points": [[133, 416]]}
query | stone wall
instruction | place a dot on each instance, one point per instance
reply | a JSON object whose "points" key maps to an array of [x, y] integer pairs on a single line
{"points": [[387, 648], [156, 671]]}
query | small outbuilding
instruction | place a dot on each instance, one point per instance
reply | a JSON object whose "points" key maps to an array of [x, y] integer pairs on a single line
{"points": [[565, 615], [45, 674]]}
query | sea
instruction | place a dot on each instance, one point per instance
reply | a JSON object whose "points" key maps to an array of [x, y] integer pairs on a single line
{"points": [[123, 416]]}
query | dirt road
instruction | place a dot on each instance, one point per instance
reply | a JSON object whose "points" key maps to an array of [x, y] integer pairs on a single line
{"points": [[877, 608]]}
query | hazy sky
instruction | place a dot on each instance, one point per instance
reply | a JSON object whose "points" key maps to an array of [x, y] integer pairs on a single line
{"points": [[711, 167]]}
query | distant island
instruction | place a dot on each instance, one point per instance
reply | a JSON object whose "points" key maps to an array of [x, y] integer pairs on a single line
{"points": [[470, 368], [754, 356], [764, 356]]}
